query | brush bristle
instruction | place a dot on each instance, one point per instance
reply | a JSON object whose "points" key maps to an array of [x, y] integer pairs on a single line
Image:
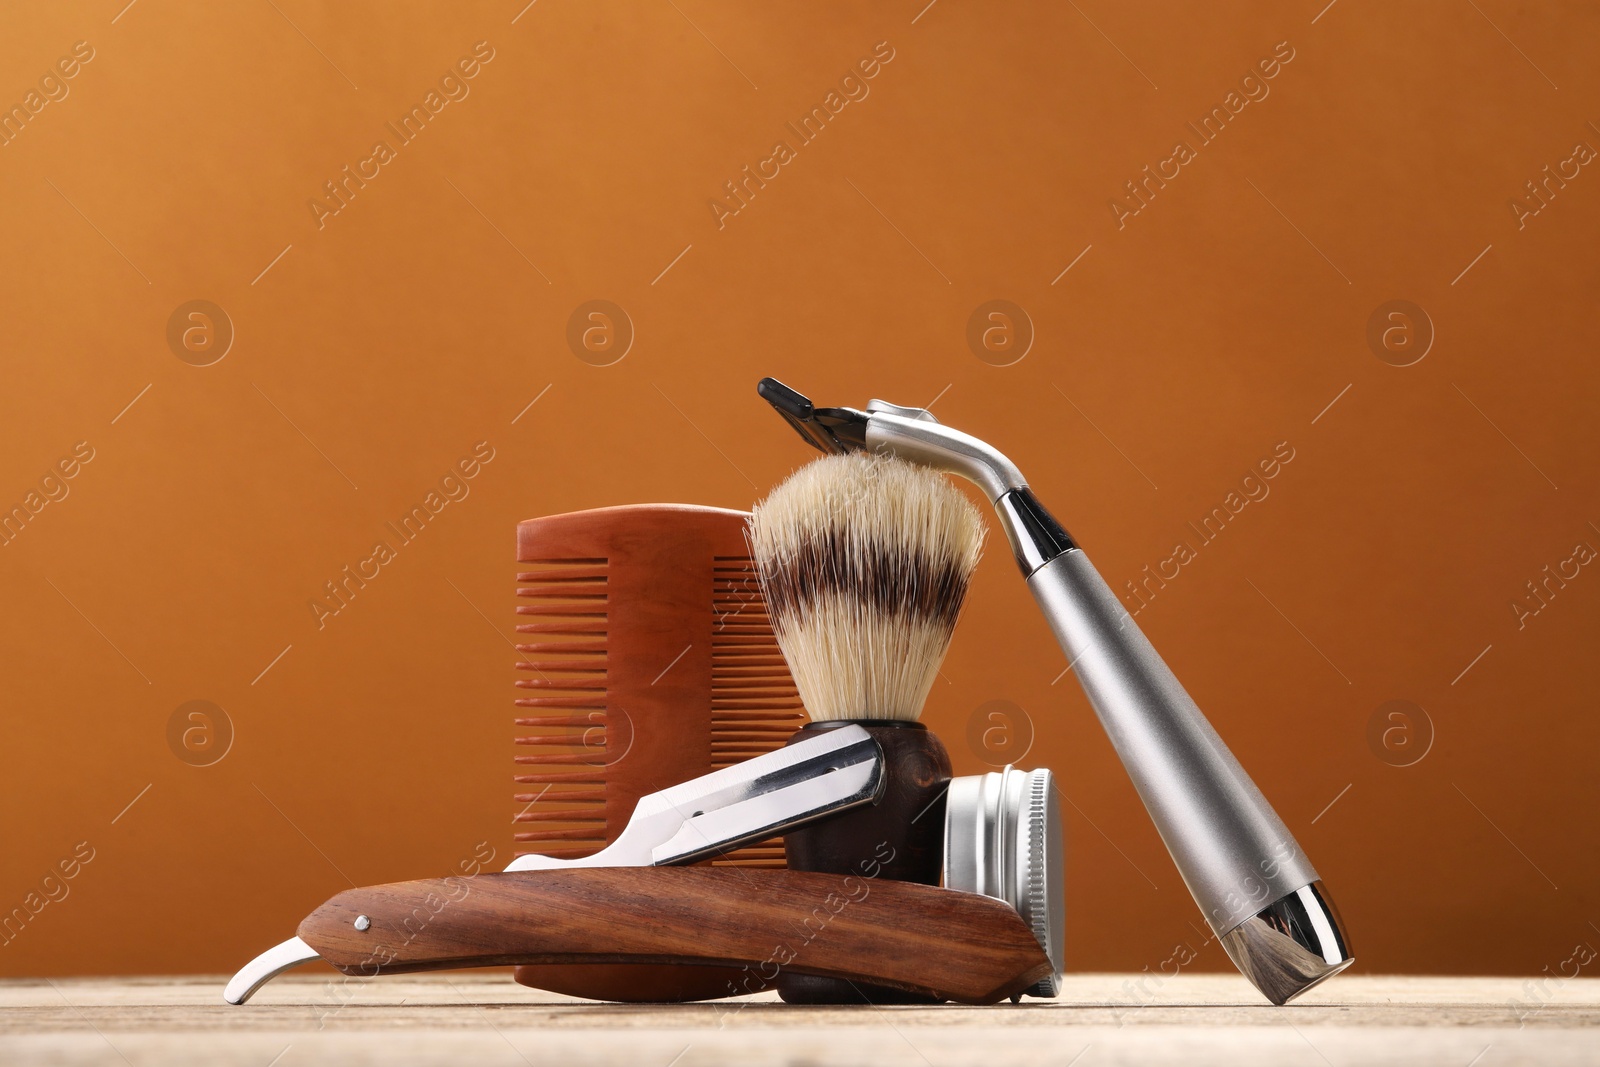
{"points": [[864, 561]]}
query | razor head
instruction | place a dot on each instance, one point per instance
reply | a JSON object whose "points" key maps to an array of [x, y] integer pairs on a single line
{"points": [[828, 430]]}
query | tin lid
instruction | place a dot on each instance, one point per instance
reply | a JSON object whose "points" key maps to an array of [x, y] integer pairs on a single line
{"points": [[1003, 839]]}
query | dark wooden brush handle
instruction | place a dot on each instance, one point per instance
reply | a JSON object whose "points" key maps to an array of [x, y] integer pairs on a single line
{"points": [[954, 946], [900, 837]]}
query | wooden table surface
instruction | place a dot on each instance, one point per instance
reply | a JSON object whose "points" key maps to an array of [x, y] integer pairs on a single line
{"points": [[483, 1019]]}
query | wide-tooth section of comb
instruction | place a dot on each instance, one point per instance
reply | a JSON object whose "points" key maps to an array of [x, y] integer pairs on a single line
{"points": [[754, 704], [561, 777]]}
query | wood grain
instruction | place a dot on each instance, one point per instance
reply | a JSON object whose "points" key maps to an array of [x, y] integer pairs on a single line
{"points": [[307, 1019], [922, 939]]}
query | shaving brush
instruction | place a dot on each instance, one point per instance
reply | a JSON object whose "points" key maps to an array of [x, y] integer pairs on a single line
{"points": [[864, 562]]}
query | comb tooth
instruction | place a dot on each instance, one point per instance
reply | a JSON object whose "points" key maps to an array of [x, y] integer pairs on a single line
{"points": [[790, 720], [563, 638], [564, 853], [587, 739], [731, 707], [563, 592], [551, 795], [739, 734], [560, 683], [565, 759], [580, 666], [586, 777], [575, 834], [566, 574], [594, 718], [563, 703], [776, 722], [763, 705], [734, 732], [738, 720], [753, 690], [550, 613], [592, 650], [557, 816]]}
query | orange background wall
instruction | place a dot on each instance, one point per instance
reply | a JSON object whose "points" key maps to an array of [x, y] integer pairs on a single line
{"points": [[1183, 345]]}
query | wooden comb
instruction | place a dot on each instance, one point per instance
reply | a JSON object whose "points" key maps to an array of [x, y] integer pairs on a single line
{"points": [[651, 661]]}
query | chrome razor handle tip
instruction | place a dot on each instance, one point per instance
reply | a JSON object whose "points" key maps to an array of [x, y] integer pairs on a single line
{"points": [[1291, 945]]}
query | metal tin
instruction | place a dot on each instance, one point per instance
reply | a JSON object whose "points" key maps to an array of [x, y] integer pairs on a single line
{"points": [[1003, 839]]}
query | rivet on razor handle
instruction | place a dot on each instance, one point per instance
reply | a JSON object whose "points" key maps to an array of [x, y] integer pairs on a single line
{"points": [[749, 801], [1256, 887]]}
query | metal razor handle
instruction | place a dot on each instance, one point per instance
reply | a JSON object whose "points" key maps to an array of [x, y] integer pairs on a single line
{"points": [[1233, 851], [1259, 892]]}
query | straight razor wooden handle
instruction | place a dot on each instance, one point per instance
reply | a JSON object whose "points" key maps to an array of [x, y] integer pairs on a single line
{"points": [[956, 946]]}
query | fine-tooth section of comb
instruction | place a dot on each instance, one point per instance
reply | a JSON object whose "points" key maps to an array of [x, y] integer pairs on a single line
{"points": [[755, 707]]}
